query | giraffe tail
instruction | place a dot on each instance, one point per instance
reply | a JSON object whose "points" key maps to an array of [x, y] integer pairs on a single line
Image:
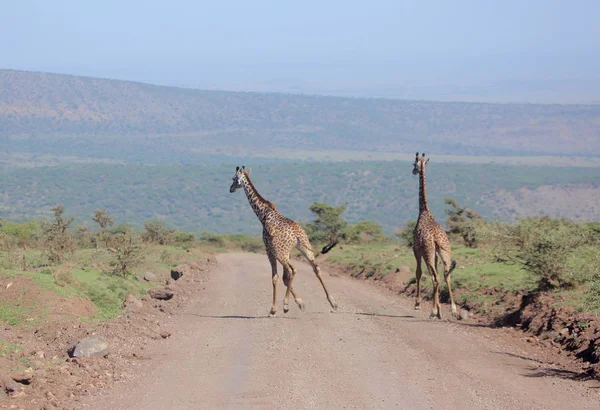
{"points": [[452, 266], [329, 247]]}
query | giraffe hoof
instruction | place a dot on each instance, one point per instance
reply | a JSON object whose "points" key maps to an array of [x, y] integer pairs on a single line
{"points": [[272, 312], [334, 306], [301, 306], [417, 307], [286, 308]]}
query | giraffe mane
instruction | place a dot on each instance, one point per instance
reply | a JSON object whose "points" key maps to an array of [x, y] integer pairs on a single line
{"points": [[258, 195]]}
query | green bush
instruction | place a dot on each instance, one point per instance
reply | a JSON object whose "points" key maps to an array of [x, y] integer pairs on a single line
{"points": [[592, 298], [157, 232], [83, 238], [183, 239], [253, 244], [127, 253], [23, 235], [546, 248], [364, 231], [212, 239], [463, 222], [407, 233], [328, 226], [105, 222], [57, 238]]}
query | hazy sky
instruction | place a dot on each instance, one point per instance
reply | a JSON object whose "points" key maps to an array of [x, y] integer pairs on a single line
{"points": [[307, 45]]}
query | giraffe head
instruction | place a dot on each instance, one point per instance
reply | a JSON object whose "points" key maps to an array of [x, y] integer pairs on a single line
{"points": [[238, 178], [419, 164]]}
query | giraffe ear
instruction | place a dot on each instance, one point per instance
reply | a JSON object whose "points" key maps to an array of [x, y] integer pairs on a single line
{"points": [[427, 161]]}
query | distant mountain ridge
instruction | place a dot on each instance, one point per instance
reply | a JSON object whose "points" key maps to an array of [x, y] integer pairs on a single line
{"points": [[34, 105]]}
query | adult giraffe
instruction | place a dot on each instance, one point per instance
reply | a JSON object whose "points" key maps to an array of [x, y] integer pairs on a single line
{"points": [[430, 241], [280, 235]]}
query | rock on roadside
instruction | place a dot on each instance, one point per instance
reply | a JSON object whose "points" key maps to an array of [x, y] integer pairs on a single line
{"points": [[9, 385], [176, 273], [90, 347], [132, 304], [161, 293], [150, 277], [23, 378]]}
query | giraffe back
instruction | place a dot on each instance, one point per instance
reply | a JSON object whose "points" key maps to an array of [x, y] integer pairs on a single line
{"points": [[429, 233]]}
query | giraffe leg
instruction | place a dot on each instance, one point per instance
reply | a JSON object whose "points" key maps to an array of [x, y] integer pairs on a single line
{"points": [[310, 256], [274, 279], [419, 273], [449, 266], [436, 311], [288, 277], [298, 300]]}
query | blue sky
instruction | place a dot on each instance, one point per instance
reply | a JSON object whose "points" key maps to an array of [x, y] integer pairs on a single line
{"points": [[309, 46]]}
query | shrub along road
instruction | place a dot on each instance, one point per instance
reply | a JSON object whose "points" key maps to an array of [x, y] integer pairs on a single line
{"points": [[375, 352]]}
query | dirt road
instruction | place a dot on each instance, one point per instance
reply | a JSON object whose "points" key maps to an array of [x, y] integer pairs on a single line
{"points": [[376, 352]]}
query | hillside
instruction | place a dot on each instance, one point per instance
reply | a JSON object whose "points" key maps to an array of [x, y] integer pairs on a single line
{"points": [[44, 111], [196, 198]]}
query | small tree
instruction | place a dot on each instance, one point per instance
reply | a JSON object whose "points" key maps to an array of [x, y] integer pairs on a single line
{"points": [[156, 232], [328, 226], [128, 253], [541, 246], [364, 231], [105, 222], [407, 233], [23, 235], [184, 239], [462, 221], [57, 238], [83, 237]]}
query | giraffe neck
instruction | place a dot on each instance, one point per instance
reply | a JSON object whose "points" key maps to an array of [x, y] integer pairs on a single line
{"points": [[261, 207], [423, 205]]}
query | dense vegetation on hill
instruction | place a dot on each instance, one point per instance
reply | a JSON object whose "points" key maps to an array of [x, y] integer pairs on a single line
{"points": [[196, 198], [36, 105]]}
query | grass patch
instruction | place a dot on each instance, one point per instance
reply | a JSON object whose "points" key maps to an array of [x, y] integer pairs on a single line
{"points": [[106, 291], [6, 348], [475, 274], [15, 313], [86, 275], [233, 242], [373, 258], [478, 279]]}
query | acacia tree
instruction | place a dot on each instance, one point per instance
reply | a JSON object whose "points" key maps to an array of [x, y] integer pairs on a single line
{"points": [[82, 236], [157, 232], [364, 231], [128, 252], [328, 226], [57, 238], [462, 221], [105, 221], [407, 233], [545, 247]]}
